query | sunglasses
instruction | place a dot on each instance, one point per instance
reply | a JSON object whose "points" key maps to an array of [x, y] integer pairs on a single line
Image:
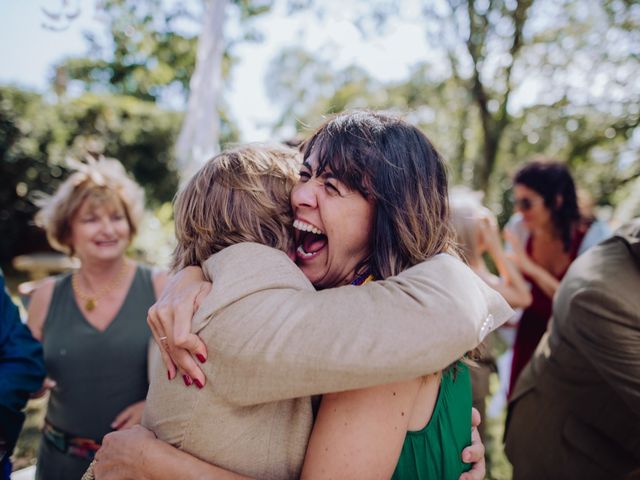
{"points": [[526, 204]]}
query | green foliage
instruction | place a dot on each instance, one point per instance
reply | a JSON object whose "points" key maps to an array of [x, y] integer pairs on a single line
{"points": [[150, 46], [37, 136], [150, 53], [143, 55]]}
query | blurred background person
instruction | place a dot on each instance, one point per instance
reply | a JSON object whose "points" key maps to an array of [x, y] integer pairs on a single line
{"points": [[21, 374], [477, 233], [575, 411], [92, 322], [598, 228], [546, 235]]}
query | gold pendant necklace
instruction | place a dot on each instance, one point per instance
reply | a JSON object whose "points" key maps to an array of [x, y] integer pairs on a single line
{"points": [[91, 301]]}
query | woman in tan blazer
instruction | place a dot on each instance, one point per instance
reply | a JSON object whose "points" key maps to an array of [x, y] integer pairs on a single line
{"points": [[356, 217]]}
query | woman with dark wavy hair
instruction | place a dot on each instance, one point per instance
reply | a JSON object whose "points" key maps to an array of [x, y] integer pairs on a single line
{"points": [[546, 236], [370, 204]]}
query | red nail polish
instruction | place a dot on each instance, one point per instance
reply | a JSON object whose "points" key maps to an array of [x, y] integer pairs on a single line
{"points": [[198, 383], [200, 358], [187, 379]]}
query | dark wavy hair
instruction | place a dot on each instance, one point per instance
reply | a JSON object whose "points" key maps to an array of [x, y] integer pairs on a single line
{"points": [[392, 162], [552, 180]]}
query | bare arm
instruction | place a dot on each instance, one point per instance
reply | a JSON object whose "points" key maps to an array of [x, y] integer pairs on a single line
{"points": [[512, 285], [36, 316], [136, 454], [547, 282], [39, 306], [359, 434]]}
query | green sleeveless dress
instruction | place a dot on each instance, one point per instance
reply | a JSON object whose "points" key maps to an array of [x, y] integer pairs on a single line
{"points": [[98, 374], [435, 452]]}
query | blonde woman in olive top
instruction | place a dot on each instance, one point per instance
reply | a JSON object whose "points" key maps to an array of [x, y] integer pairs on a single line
{"points": [[92, 322]]}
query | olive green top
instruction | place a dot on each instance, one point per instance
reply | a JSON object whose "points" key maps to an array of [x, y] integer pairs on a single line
{"points": [[435, 452], [98, 374]]}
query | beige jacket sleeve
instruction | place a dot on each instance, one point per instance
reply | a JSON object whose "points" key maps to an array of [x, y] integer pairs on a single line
{"points": [[277, 338]]}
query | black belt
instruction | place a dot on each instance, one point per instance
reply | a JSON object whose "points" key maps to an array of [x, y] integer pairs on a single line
{"points": [[85, 448]]}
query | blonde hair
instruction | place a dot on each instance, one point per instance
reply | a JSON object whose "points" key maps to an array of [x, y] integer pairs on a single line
{"points": [[101, 181], [240, 195], [466, 211]]}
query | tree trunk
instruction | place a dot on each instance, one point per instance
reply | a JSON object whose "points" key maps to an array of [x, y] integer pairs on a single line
{"points": [[484, 166], [198, 139]]}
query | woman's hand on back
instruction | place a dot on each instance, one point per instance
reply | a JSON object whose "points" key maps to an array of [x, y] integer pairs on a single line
{"points": [[474, 453], [122, 454], [170, 322]]}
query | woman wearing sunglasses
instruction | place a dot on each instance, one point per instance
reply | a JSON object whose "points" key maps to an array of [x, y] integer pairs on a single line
{"points": [[546, 235]]}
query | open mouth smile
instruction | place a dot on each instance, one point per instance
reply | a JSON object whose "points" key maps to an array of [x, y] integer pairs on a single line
{"points": [[310, 239], [106, 243]]}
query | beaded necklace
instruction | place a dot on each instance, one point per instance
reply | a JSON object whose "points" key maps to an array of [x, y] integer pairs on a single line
{"points": [[362, 279], [91, 300]]}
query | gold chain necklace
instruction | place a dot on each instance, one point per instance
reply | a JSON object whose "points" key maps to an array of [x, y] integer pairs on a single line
{"points": [[91, 301]]}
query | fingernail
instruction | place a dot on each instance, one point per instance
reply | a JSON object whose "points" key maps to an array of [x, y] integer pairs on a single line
{"points": [[187, 379], [466, 458], [200, 358], [198, 383], [168, 374]]}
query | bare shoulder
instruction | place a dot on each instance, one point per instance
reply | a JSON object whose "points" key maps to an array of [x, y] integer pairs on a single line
{"points": [[39, 306], [377, 417], [159, 278], [398, 397]]}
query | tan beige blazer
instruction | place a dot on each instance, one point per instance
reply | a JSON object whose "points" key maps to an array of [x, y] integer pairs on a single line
{"points": [[575, 411], [273, 342]]}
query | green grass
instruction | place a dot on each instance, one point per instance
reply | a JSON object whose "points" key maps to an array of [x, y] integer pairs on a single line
{"points": [[498, 466], [26, 451]]}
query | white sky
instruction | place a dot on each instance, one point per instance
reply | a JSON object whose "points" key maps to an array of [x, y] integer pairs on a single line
{"points": [[28, 51]]}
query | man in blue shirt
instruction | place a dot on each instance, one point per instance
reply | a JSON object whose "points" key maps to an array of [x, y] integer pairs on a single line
{"points": [[21, 373]]}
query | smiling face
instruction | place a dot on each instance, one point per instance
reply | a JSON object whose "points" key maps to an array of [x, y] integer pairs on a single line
{"points": [[531, 205], [333, 226], [100, 230]]}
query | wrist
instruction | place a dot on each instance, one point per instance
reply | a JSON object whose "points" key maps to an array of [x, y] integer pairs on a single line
{"points": [[150, 456], [532, 269], [495, 250]]}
